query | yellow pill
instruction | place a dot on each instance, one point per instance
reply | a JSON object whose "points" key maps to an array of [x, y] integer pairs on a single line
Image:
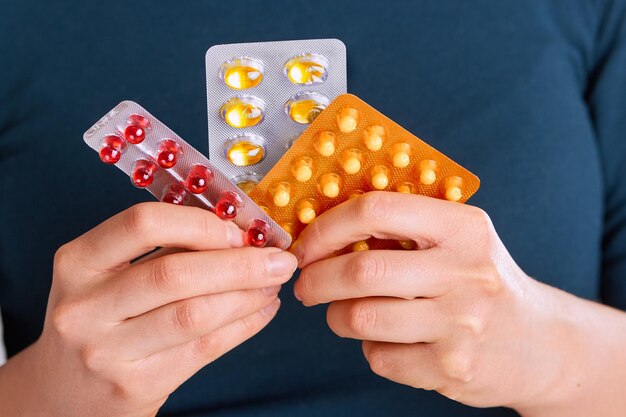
{"points": [[244, 152], [407, 244], [303, 108], [243, 112], [406, 187], [351, 160], [307, 69], [360, 246], [347, 119], [400, 155], [427, 171], [289, 228], [379, 177], [374, 137], [242, 73], [330, 185], [247, 185], [302, 168], [306, 210], [355, 194], [325, 143], [453, 191], [281, 193]]}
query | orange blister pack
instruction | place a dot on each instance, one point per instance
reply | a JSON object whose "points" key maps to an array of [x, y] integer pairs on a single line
{"points": [[351, 149]]}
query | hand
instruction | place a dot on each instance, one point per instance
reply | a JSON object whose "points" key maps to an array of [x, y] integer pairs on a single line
{"points": [[457, 315], [119, 338]]}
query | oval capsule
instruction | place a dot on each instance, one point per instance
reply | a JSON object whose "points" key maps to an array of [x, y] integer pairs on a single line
{"points": [[307, 210], [330, 185], [245, 150], [400, 154], [453, 188], [426, 171], [242, 73], [246, 182], [280, 192], [307, 69], [351, 160], [302, 168], [374, 137], [347, 119], [304, 107], [325, 143], [241, 112], [360, 246], [379, 177]]}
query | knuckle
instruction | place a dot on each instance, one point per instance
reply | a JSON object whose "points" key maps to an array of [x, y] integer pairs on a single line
{"points": [[64, 320], [207, 347], [187, 316], [63, 260], [362, 317], [367, 270], [372, 207], [93, 358], [489, 280], [481, 222], [165, 274], [141, 219], [458, 365], [378, 359], [307, 285]]}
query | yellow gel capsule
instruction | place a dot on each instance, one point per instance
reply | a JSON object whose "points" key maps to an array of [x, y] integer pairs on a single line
{"points": [[379, 177], [360, 246], [307, 69], [247, 185], [244, 153], [426, 170], [280, 193], [303, 108], [325, 143], [351, 160], [406, 187], [400, 155], [452, 187], [347, 119], [330, 185], [306, 210], [374, 137], [407, 244], [242, 73], [302, 168], [243, 112]]}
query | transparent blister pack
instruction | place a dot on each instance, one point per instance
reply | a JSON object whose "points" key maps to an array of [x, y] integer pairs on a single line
{"points": [[351, 149], [261, 96], [157, 159]]}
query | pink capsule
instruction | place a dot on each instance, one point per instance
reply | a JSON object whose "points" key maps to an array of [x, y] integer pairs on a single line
{"points": [[199, 178], [112, 149], [134, 134], [257, 233], [168, 153], [139, 121], [228, 205], [143, 173], [174, 194]]}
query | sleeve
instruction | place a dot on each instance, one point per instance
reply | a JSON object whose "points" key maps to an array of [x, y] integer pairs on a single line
{"points": [[606, 98]]}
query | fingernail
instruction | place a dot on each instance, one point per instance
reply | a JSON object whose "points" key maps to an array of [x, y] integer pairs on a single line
{"points": [[282, 263], [298, 250], [234, 235], [271, 291], [271, 309]]}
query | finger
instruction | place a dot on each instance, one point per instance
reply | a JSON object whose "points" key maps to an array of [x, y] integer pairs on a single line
{"points": [[182, 321], [170, 278], [143, 227], [391, 273], [388, 320], [181, 362], [384, 215]]}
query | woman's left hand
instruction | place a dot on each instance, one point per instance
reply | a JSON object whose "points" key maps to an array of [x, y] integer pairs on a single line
{"points": [[457, 315]]}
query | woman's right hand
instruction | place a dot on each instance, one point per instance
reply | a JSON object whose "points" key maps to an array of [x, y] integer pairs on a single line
{"points": [[119, 338]]}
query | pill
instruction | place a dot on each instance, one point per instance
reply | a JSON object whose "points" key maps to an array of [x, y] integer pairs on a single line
{"points": [[168, 152], [257, 233], [330, 185], [134, 134], [347, 119], [355, 194], [241, 112], [350, 160], [199, 178], [452, 186], [280, 193], [400, 155], [142, 174], [307, 209], [112, 149], [246, 185], [379, 177], [245, 150], [242, 73], [289, 228], [174, 194], [426, 170], [227, 205], [304, 107], [302, 168], [374, 137], [325, 143], [139, 121], [408, 244], [307, 69], [406, 187], [360, 246]]}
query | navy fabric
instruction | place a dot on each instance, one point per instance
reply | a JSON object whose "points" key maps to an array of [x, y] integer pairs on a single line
{"points": [[530, 95]]}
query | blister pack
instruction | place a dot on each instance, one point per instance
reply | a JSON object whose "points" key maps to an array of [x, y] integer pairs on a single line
{"points": [[350, 149], [261, 96], [160, 161]]}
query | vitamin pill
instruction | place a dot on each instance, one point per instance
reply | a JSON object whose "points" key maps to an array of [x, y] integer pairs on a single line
{"points": [[325, 143], [112, 149], [379, 177], [134, 134], [242, 73], [280, 193], [426, 171], [303, 108], [227, 205], [355, 194], [257, 233], [174, 194], [408, 244], [406, 187], [302, 168], [139, 121], [245, 150], [374, 137], [347, 119], [289, 228], [168, 154], [307, 209], [351, 160], [307, 69], [452, 186], [199, 178], [330, 185], [246, 185], [142, 174], [360, 246], [240, 112], [400, 155]]}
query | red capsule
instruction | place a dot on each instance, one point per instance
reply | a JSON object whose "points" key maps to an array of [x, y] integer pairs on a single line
{"points": [[174, 194], [168, 154], [134, 134], [143, 173], [199, 178], [228, 205], [112, 149], [139, 120], [257, 233]]}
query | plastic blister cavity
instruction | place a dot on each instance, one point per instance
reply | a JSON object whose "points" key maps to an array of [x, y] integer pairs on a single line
{"points": [[157, 159]]}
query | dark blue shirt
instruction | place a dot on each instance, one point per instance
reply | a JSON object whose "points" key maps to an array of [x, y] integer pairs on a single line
{"points": [[530, 95]]}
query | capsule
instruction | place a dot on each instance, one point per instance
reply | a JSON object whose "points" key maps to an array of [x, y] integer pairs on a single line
{"points": [[325, 143], [304, 107], [168, 153], [139, 121], [280, 192], [174, 194], [406, 187], [302, 168], [379, 177], [112, 149], [400, 154], [360, 246], [242, 73], [228, 205], [289, 228], [198, 179], [245, 150], [142, 174], [374, 137], [134, 134], [347, 119], [241, 112], [307, 69], [246, 182], [426, 171], [355, 194], [258, 233], [452, 188], [407, 244], [330, 185], [351, 160], [307, 210]]}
